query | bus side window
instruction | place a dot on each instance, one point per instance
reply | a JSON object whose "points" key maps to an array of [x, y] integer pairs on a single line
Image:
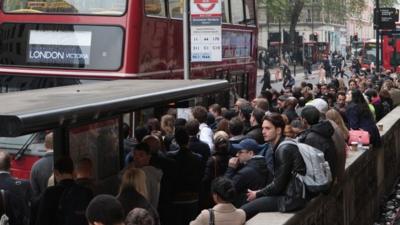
{"points": [[237, 11], [175, 8], [250, 12], [154, 7]]}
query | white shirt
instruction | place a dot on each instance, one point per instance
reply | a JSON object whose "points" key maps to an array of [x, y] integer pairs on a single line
{"points": [[206, 135]]}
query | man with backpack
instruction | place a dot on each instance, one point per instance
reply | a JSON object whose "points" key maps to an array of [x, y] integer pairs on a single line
{"points": [[66, 202], [319, 135], [284, 193]]}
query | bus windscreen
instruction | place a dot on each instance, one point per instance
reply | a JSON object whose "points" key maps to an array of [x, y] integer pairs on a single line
{"points": [[96, 7]]}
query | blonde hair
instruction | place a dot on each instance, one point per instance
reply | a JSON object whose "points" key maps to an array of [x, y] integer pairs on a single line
{"points": [[48, 141], [335, 116], [167, 124], [134, 178]]}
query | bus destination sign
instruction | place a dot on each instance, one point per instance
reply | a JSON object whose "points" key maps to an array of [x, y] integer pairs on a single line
{"points": [[386, 18]]}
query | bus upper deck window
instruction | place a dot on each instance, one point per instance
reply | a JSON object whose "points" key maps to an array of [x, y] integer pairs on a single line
{"points": [[154, 7], [250, 12], [225, 11], [176, 8], [237, 11], [97, 7]]}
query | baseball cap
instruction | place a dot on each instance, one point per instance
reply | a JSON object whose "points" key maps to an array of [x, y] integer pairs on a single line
{"points": [[248, 144], [320, 104]]}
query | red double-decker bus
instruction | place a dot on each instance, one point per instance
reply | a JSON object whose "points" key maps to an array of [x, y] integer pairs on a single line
{"points": [[48, 41], [316, 51], [45, 43]]}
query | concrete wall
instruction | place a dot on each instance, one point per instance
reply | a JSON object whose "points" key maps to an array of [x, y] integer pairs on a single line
{"points": [[370, 176]]}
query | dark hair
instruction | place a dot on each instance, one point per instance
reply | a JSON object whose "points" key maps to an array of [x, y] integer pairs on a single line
{"points": [[125, 130], [200, 114], [181, 136], [258, 115], [236, 126], [192, 127], [229, 114], [223, 187], [64, 165], [153, 124], [246, 110], [362, 106], [310, 114], [140, 133], [139, 216], [341, 93], [216, 108], [105, 209], [5, 160], [180, 122], [144, 147], [277, 120], [210, 119]]}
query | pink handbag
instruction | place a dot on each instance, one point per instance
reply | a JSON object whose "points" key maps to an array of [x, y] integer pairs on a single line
{"points": [[359, 136]]}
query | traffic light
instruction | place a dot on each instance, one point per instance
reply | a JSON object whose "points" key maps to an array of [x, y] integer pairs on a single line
{"points": [[315, 37]]}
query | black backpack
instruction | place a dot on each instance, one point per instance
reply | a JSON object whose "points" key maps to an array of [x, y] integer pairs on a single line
{"points": [[72, 205]]}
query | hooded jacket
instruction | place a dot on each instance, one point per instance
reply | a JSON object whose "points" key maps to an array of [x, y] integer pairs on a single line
{"points": [[253, 175], [320, 136]]}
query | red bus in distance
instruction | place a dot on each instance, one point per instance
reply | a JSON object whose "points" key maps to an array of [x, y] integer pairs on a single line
{"points": [[118, 39]]}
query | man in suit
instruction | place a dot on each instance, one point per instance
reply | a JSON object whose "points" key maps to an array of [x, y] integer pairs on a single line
{"points": [[17, 193]]}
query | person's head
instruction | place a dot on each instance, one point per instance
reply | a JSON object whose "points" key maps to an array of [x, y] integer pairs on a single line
{"points": [[256, 117], [221, 142], [352, 84], [153, 142], [139, 216], [181, 136], [335, 116], [141, 155], [281, 101], [260, 103], [247, 148], [84, 168], [200, 114], [223, 190], [63, 168], [297, 126], [324, 89], [5, 161], [134, 178], [240, 102], [105, 210], [310, 115], [168, 124], [126, 130], [215, 109], [341, 98], [272, 127], [153, 124], [192, 127], [48, 142], [291, 103], [140, 133], [236, 126], [245, 112]]}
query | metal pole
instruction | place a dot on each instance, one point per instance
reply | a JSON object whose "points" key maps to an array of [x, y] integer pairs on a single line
{"points": [[186, 60], [377, 66], [312, 17]]}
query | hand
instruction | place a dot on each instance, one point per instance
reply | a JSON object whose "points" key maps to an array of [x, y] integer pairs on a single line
{"points": [[251, 195], [233, 162]]}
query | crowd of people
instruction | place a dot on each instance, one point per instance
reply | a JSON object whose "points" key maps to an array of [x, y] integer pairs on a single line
{"points": [[229, 163]]}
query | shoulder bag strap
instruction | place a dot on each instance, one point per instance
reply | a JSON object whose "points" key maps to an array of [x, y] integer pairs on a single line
{"points": [[212, 217]]}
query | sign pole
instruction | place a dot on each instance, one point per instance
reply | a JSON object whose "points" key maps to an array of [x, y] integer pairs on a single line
{"points": [[377, 66], [186, 60]]}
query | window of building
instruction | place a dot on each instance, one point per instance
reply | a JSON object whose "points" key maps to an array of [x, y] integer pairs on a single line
{"points": [[225, 11], [154, 7]]}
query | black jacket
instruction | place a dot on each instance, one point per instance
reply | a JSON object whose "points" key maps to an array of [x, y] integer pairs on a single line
{"points": [[287, 159], [131, 199], [17, 197], [255, 133], [320, 136], [199, 147], [253, 175], [189, 171]]}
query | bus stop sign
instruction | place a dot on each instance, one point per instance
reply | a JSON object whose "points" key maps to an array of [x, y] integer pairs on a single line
{"points": [[386, 18]]}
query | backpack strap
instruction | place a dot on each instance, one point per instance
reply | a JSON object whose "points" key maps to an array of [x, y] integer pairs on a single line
{"points": [[3, 202], [212, 217]]}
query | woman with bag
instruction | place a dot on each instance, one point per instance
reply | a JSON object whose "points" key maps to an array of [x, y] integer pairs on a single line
{"points": [[223, 212], [360, 118]]}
